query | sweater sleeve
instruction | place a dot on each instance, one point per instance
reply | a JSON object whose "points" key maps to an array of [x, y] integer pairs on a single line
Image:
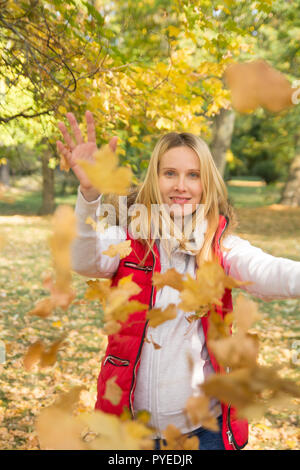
{"points": [[86, 250], [272, 278]]}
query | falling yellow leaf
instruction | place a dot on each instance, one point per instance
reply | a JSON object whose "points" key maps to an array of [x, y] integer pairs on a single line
{"points": [[170, 278], [256, 84], [91, 222], [116, 433], [98, 289], [64, 231], [245, 313], [177, 441], [207, 289], [33, 355], [122, 249], [156, 316], [105, 175], [113, 392], [43, 308], [197, 409], [37, 354], [251, 390]]}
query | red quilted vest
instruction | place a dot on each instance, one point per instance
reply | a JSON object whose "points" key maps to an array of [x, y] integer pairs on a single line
{"points": [[123, 353]]}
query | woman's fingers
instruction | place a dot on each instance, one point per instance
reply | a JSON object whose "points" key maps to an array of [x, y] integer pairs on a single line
{"points": [[62, 149], [113, 143], [66, 135], [74, 125], [91, 133]]}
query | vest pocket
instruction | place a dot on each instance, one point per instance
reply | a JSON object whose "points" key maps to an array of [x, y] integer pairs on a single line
{"points": [[130, 264], [116, 361]]}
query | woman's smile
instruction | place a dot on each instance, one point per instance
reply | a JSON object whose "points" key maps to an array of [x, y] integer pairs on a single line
{"points": [[179, 180]]}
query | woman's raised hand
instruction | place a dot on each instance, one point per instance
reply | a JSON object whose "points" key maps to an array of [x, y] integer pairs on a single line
{"points": [[80, 150]]}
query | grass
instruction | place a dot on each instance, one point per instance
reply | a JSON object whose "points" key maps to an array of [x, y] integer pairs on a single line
{"points": [[25, 258]]}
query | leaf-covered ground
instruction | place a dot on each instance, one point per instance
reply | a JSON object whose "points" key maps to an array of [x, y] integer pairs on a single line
{"points": [[25, 258]]}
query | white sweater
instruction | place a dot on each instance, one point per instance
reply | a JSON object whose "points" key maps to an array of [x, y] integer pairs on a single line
{"points": [[165, 380]]}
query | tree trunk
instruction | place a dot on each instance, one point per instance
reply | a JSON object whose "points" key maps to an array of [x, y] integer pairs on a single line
{"points": [[48, 204], [4, 174], [222, 134], [291, 191]]}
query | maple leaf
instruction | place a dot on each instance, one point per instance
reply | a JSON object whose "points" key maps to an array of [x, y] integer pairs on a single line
{"points": [[237, 351], [156, 316], [98, 289], [122, 249], [245, 313], [57, 429], [177, 441], [115, 433], [197, 409], [105, 175], [33, 355], [170, 278], [60, 298], [113, 392], [256, 84], [64, 231], [207, 289], [43, 308], [245, 389], [37, 353]]}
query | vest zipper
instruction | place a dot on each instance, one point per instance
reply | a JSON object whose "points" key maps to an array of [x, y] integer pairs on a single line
{"points": [[113, 359], [140, 348], [130, 264]]}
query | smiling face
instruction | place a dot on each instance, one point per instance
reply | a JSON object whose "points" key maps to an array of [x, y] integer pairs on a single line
{"points": [[179, 179]]}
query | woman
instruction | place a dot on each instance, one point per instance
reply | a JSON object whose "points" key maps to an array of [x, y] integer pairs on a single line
{"points": [[181, 176]]}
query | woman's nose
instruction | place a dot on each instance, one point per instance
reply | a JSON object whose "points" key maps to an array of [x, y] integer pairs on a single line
{"points": [[180, 184]]}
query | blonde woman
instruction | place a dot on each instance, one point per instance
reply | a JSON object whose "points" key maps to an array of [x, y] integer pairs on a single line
{"points": [[183, 184]]}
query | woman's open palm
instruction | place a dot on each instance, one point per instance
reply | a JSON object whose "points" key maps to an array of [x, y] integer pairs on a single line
{"points": [[78, 149]]}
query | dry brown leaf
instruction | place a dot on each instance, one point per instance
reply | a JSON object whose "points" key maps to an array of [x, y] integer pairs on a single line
{"points": [[98, 289], [116, 433], [245, 313], [157, 316], [48, 358], [64, 231], [177, 441], [251, 390], [122, 249], [197, 409], [64, 165], [105, 175], [256, 83], [170, 278], [207, 289], [57, 428], [37, 354], [33, 355], [43, 308], [113, 392], [238, 351]]}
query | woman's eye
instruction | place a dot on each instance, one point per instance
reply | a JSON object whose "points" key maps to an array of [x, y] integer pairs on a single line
{"points": [[194, 175], [169, 173]]}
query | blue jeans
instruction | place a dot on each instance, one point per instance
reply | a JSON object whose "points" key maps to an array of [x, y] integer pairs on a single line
{"points": [[208, 440]]}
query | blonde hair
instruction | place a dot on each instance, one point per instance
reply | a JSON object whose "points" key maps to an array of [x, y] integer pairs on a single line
{"points": [[214, 192]]}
